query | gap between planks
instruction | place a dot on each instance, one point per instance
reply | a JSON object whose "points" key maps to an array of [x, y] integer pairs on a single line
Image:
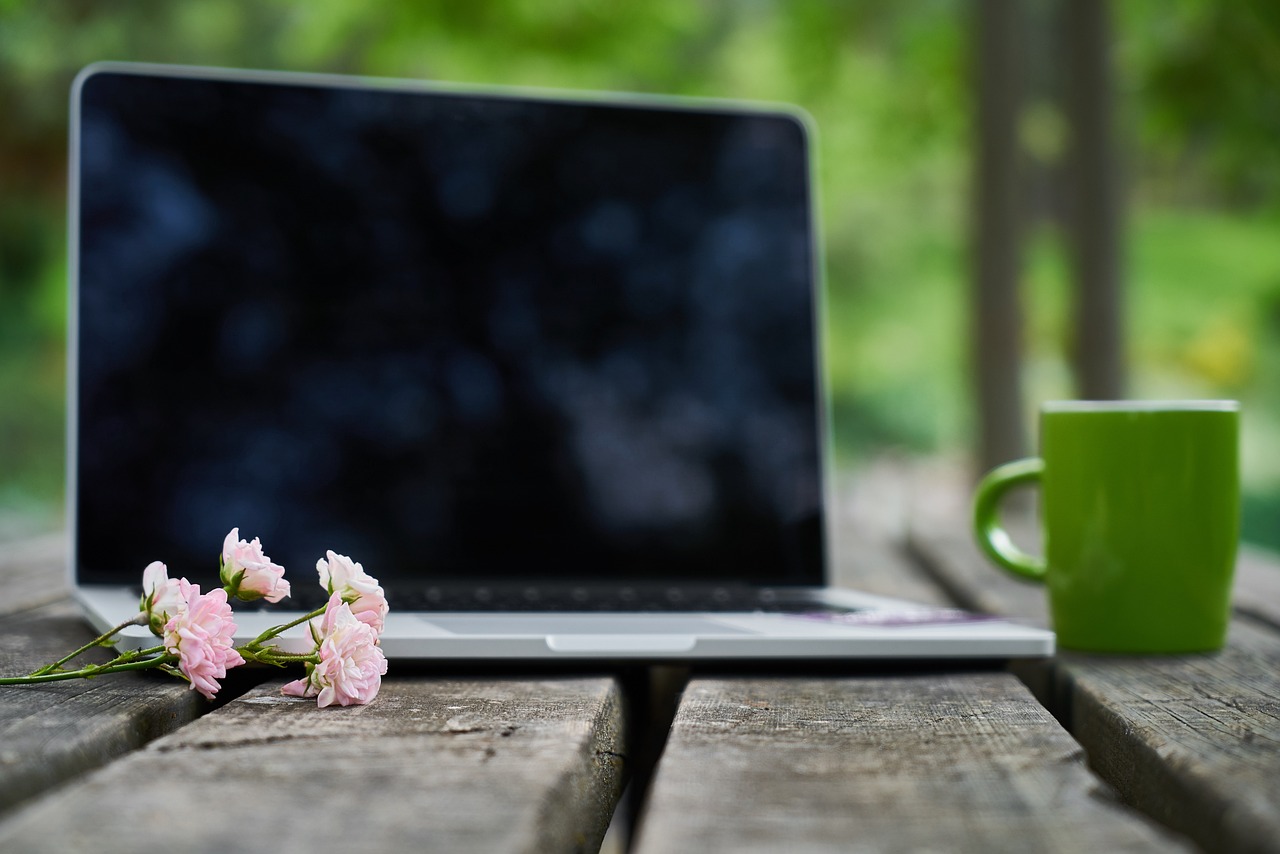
{"points": [[1194, 741]]}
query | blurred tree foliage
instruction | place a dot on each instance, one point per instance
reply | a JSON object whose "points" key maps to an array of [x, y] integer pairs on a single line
{"points": [[889, 86], [885, 81], [1204, 77]]}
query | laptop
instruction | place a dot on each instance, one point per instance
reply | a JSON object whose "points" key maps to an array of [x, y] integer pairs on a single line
{"points": [[546, 364]]}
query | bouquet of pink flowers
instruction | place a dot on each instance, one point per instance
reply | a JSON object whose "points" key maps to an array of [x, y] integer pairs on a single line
{"points": [[196, 629]]}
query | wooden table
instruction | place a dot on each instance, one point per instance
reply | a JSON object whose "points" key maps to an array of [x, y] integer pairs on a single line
{"points": [[1079, 753]]}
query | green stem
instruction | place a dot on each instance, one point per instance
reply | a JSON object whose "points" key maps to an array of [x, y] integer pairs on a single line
{"points": [[152, 650], [275, 631], [283, 658], [100, 640], [90, 671], [172, 671], [273, 656]]}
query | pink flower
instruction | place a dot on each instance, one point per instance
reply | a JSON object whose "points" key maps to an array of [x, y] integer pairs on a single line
{"points": [[200, 635], [339, 574], [302, 687], [351, 664], [249, 574], [161, 596]]}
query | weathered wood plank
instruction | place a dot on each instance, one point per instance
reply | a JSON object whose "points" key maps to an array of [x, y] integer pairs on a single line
{"points": [[953, 560], [999, 226], [868, 523], [1192, 740], [865, 560], [1093, 185], [1257, 585], [954, 762], [33, 572], [435, 764], [52, 732]]}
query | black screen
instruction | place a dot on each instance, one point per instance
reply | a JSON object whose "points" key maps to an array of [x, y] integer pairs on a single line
{"points": [[455, 336]]}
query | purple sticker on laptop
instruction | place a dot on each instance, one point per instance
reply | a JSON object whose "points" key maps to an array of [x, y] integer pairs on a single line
{"points": [[894, 619]]}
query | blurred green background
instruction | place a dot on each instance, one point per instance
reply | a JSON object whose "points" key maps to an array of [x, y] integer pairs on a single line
{"points": [[890, 87]]}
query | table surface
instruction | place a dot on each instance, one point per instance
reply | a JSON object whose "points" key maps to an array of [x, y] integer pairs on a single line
{"points": [[1075, 753]]}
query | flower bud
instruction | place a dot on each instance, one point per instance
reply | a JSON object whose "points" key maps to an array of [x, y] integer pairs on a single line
{"points": [[161, 597], [249, 574]]}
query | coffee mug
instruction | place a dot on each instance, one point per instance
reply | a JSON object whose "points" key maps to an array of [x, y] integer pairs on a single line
{"points": [[1140, 504]]}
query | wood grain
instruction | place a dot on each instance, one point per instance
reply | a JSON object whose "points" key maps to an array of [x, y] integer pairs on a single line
{"points": [[867, 560], [1257, 585], [934, 762], [33, 572], [53, 732], [1192, 740], [433, 765], [955, 563]]}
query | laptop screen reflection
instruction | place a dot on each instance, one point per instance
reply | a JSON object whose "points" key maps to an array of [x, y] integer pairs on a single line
{"points": [[462, 336]]}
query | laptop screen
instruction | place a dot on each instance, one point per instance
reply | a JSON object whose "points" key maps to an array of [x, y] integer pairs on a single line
{"points": [[456, 336]]}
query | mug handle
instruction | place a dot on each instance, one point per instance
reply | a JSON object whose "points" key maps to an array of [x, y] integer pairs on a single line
{"points": [[994, 541]]}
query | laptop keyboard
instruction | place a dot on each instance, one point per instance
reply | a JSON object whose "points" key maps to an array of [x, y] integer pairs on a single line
{"points": [[579, 599], [625, 599]]}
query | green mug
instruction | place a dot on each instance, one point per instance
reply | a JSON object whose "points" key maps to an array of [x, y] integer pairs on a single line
{"points": [[1140, 504]]}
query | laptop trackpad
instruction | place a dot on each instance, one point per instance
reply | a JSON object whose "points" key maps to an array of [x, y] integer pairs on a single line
{"points": [[581, 624]]}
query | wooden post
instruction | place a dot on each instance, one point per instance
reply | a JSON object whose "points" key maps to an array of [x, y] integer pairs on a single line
{"points": [[1093, 202], [996, 320]]}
